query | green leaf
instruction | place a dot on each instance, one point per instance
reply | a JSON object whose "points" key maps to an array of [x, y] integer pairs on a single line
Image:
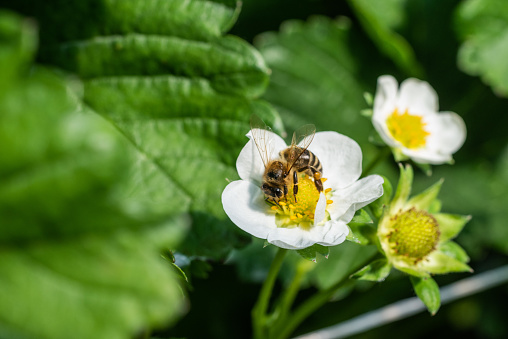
{"points": [[361, 229], [227, 65], [377, 270], [310, 253], [450, 225], [79, 257], [380, 19], [428, 291], [179, 91], [425, 199], [315, 76], [198, 20], [93, 286], [483, 27]]}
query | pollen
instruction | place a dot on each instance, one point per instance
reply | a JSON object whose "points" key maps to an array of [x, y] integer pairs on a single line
{"points": [[414, 234], [298, 212], [407, 129]]}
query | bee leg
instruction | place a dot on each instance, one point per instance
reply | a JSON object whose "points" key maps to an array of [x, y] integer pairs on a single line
{"points": [[317, 179], [295, 185], [273, 202]]}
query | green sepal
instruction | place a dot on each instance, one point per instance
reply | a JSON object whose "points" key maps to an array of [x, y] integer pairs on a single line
{"points": [[398, 155], [310, 253], [425, 168], [377, 270], [435, 206], [450, 224], [369, 98], [367, 112], [428, 291], [361, 229], [424, 200], [452, 249], [441, 263], [413, 272], [378, 206], [361, 218], [404, 185]]}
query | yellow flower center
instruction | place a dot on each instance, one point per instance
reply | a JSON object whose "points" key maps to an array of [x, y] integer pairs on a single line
{"points": [[414, 234], [407, 129], [299, 212]]}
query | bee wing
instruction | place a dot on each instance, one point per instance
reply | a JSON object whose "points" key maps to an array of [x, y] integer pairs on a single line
{"points": [[262, 138], [302, 138]]}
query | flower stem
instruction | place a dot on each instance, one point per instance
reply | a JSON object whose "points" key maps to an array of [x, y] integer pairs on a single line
{"points": [[259, 317], [283, 330], [381, 155], [291, 291]]}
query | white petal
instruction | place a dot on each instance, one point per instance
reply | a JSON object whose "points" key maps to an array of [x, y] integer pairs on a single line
{"points": [[382, 129], [320, 212], [447, 132], [426, 156], [385, 98], [249, 164], [348, 200], [244, 204], [340, 156], [330, 234], [417, 96]]}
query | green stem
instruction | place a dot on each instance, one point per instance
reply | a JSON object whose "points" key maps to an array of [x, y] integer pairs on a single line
{"points": [[307, 308], [381, 155], [292, 290], [311, 305], [259, 316]]}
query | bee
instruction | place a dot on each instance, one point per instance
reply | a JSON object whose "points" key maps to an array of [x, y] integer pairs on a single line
{"points": [[282, 171]]}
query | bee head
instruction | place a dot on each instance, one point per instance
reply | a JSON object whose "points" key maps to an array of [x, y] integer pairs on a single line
{"points": [[271, 191]]}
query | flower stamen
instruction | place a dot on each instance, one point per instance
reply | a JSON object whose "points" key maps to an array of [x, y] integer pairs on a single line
{"points": [[298, 212], [407, 129]]}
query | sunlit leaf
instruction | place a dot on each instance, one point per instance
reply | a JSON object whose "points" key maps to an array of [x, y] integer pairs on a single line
{"points": [[179, 91]]}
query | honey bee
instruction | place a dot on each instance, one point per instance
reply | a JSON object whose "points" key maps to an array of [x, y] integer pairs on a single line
{"points": [[282, 172]]}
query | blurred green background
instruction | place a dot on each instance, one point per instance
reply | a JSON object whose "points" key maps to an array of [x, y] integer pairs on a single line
{"points": [[125, 150]]}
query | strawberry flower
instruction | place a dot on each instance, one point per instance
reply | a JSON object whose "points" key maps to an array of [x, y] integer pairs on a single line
{"points": [[315, 218], [408, 121]]}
